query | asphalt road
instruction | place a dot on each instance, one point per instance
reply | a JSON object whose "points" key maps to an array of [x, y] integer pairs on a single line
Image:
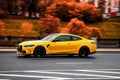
{"points": [[99, 66]]}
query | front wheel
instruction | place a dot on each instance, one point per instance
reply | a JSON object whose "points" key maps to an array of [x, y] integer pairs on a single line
{"points": [[84, 52], [39, 52]]}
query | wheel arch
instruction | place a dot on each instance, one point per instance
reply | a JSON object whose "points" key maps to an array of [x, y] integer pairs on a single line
{"points": [[42, 47]]}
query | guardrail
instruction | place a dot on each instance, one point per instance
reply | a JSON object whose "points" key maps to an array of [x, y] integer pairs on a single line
{"points": [[108, 43], [8, 41]]}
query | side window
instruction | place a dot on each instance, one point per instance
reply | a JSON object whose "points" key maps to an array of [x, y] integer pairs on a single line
{"points": [[60, 38], [63, 38], [66, 38], [74, 38]]}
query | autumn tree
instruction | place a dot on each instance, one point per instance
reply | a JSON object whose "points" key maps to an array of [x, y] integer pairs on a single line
{"points": [[28, 7], [27, 28], [95, 33], [68, 10], [42, 5], [2, 28], [49, 24], [59, 10], [65, 1], [78, 27]]}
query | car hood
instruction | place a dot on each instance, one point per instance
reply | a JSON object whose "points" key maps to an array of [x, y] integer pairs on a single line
{"points": [[32, 42]]}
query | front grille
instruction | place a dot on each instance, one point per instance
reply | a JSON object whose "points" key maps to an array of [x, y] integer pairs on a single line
{"points": [[19, 48]]}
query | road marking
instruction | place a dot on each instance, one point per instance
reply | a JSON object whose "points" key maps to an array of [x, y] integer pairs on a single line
{"points": [[105, 69], [74, 63], [75, 74], [99, 71], [31, 76], [83, 79], [6, 73], [4, 79]]}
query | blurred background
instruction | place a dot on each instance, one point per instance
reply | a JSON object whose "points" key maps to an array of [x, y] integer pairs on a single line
{"points": [[22, 20]]}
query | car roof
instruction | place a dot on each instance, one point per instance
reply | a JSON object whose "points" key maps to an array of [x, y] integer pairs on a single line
{"points": [[67, 34]]}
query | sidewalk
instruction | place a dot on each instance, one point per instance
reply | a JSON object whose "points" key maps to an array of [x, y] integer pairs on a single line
{"points": [[108, 49], [13, 50]]}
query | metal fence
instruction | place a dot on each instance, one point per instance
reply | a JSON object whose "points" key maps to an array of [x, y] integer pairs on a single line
{"points": [[108, 43], [8, 41]]}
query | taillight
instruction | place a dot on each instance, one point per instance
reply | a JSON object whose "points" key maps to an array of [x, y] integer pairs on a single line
{"points": [[92, 42]]}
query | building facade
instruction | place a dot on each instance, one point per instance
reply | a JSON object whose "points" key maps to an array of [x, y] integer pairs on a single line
{"points": [[111, 8]]}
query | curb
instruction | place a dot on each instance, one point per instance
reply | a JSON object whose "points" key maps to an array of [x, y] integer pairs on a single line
{"points": [[8, 50], [109, 50]]}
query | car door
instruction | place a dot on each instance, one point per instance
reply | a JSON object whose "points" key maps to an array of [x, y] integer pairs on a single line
{"points": [[75, 43], [61, 45]]}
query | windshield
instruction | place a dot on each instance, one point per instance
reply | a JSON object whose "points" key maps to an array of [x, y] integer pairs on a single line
{"points": [[49, 37]]}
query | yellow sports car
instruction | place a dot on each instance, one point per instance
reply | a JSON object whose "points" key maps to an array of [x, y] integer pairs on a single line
{"points": [[58, 43]]}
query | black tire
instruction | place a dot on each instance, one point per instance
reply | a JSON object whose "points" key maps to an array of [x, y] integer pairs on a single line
{"points": [[84, 52], [39, 51]]}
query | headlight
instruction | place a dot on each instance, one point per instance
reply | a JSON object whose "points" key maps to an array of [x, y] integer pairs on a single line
{"points": [[31, 45]]}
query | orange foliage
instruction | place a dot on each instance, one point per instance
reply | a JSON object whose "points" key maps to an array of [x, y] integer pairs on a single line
{"points": [[96, 32], [64, 30], [2, 28], [85, 12], [68, 10], [27, 28], [64, 1], [49, 24], [78, 27]]}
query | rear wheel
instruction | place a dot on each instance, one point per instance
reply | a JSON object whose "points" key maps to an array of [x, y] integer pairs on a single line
{"points": [[39, 52], [84, 52]]}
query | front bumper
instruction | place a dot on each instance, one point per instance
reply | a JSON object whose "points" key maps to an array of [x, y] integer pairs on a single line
{"points": [[21, 50]]}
